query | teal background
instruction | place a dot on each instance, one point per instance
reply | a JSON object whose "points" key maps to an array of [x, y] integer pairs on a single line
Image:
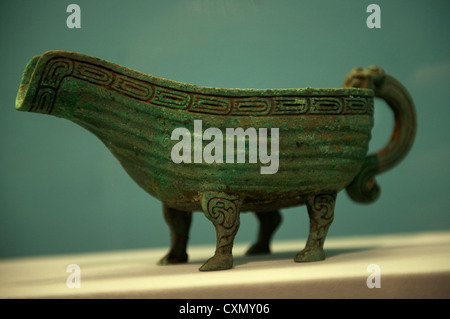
{"points": [[63, 192]]}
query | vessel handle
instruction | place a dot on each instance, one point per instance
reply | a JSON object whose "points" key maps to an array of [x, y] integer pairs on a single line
{"points": [[364, 188]]}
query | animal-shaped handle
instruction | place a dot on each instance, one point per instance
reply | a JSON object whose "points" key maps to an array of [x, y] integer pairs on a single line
{"points": [[364, 188]]}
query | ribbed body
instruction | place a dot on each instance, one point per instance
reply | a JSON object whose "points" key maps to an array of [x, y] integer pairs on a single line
{"points": [[323, 133]]}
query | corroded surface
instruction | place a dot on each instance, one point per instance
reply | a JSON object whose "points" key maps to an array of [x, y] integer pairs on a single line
{"points": [[323, 142], [324, 132], [364, 188]]}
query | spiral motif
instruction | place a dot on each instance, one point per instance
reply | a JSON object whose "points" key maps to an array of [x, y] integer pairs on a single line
{"points": [[321, 214], [110, 76], [222, 212], [323, 206], [56, 70]]}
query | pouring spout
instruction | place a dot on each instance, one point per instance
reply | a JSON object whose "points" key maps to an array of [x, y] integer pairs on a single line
{"points": [[23, 98], [42, 80]]}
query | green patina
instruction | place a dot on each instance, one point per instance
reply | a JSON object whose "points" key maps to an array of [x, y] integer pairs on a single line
{"points": [[323, 143]]}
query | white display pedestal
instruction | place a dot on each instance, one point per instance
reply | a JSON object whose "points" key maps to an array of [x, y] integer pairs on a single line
{"points": [[411, 266]]}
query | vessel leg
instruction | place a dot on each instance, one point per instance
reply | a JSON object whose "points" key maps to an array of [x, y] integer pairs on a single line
{"points": [[179, 223], [268, 223], [223, 211], [321, 213]]}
